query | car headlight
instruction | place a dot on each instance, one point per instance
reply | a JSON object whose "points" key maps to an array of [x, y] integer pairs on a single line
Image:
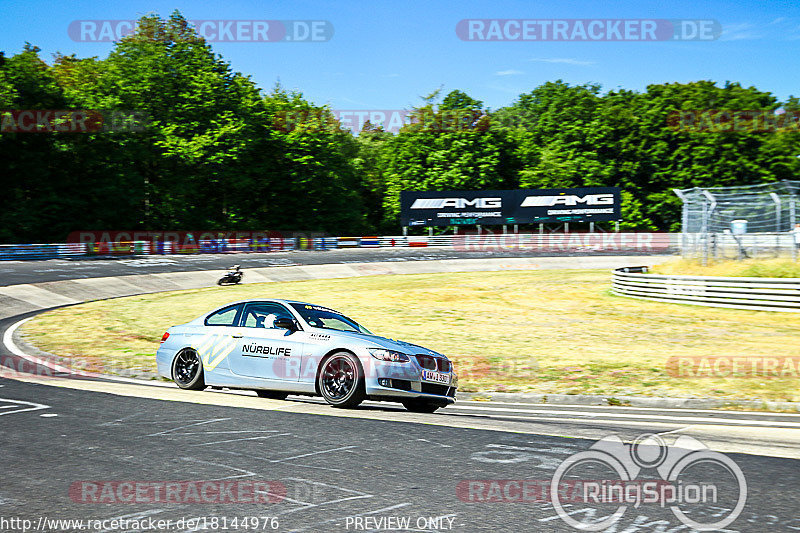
{"points": [[388, 355]]}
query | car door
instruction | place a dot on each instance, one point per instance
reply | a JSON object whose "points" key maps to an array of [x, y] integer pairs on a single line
{"points": [[264, 350], [218, 338]]}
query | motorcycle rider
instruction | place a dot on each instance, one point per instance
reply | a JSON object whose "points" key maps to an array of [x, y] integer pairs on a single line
{"points": [[234, 275]]}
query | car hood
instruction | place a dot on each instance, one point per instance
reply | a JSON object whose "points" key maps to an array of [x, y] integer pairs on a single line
{"points": [[382, 342]]}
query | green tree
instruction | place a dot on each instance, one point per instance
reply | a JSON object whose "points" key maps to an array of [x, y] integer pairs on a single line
{"points": [[447, 149], [37, 179], [369, 165]]}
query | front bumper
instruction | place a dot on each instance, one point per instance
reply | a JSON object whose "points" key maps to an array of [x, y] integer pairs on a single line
{"points": [[401, 381], [447, 397]]}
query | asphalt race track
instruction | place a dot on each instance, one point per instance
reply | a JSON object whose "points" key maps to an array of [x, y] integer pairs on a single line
{"points": [[14, 272], [330, 468], [65, 441]]}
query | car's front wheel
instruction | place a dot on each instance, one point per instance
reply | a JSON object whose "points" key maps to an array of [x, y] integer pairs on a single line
{"points": [[272, 394], [187, 370], [420, 406], [341, 380]]}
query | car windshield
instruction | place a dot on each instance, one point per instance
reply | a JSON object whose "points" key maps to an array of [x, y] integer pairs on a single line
{"points": [[322, 317]]}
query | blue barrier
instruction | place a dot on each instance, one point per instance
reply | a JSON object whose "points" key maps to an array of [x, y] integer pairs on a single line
{"points": [[260, 245], [370, 242], [21, 252], [213, 246], [326, 243]]}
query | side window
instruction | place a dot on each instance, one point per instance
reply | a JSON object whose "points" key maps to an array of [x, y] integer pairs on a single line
{"points": [[224, 317], [264, 315]]}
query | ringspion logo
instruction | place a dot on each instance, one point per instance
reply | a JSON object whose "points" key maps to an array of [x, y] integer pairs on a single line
{"points": [[690, 476], [588, 30], [215, 31]]}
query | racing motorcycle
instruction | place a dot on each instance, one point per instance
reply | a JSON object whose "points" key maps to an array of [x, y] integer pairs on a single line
{"points": [[232, 277]]}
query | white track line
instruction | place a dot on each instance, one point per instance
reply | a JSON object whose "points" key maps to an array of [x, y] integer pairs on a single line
{"points": [[311, 453], [33, 406], [8, 341], [588, 418], [623, 408]]}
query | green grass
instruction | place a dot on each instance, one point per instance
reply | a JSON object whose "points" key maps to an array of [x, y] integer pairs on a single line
{"points": [[537, 331]]}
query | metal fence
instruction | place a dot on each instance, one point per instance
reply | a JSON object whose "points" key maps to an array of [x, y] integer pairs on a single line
{"points": [[758, 294], [741, 222]]}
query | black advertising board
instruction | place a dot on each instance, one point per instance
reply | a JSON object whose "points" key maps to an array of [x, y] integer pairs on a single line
{"points": [[522, 206], [584, 204], [453, 208]]}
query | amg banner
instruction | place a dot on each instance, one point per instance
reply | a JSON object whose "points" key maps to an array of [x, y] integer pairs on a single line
{"points": [[523, 206]]}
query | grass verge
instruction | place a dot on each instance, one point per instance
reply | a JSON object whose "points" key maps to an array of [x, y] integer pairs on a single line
{"points": [[536, 331], [758, 268]]}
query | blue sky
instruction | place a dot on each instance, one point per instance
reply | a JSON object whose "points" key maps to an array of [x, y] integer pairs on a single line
{"points": [[386, 54]]}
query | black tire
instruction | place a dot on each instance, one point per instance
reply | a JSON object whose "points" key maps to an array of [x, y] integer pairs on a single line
{"points": [[187, 370], [219, 282], [272, 394], [420, 406], [341, 380]]}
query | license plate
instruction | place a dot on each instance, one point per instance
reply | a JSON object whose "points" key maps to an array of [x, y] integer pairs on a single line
{"points": [[436, 377]]}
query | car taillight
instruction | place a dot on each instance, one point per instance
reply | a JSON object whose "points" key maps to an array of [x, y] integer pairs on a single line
{"points": [[165, 336]]}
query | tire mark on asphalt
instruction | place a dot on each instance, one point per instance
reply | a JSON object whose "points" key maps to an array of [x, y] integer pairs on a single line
{"points": [[203, 422]]}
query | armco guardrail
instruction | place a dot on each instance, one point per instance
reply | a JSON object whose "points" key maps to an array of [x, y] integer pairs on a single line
{"points": [[485, 242], [758, 294], [17, 252]]}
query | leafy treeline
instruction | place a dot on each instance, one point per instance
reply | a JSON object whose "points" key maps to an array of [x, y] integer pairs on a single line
{"points": [[217, 153]]}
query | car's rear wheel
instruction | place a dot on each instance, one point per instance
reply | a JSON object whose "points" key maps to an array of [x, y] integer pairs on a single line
{"points": [[187, 370], [272, 394], [341, 380], [420, 406]]}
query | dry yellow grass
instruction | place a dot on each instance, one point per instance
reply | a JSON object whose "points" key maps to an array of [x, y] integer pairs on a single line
{"points": [[764, 268], [538, 331]]}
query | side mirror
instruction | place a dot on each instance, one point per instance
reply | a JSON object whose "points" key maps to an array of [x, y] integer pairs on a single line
{"points": [[286, 323]]}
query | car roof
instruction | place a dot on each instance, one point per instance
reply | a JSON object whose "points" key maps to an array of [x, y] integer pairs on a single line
{"points": [[276, 300]]}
